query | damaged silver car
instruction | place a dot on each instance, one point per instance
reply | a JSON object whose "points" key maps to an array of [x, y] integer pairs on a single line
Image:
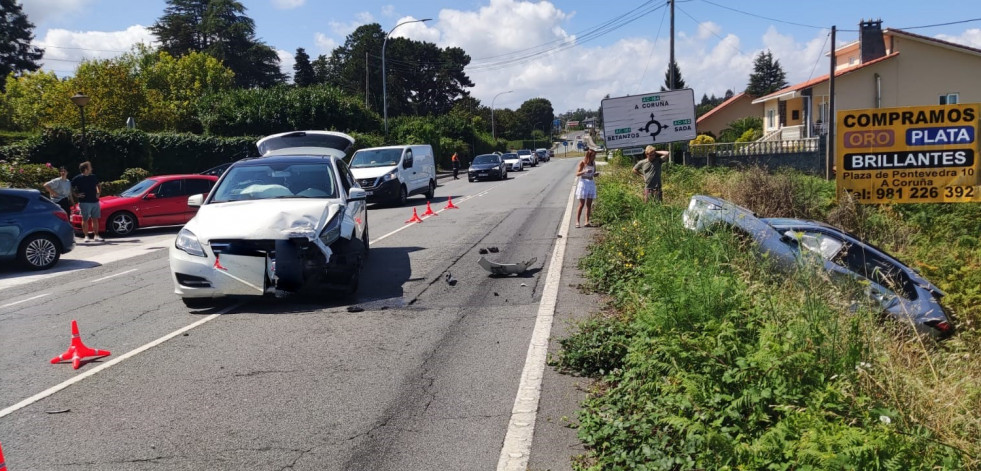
{"points": [[901, 291], [291, 221]]}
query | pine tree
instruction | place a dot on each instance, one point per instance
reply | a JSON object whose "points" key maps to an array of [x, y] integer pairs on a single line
{"points": [[220, 29], [679, 83], [16, 33], [767, 76], [302, 69]]}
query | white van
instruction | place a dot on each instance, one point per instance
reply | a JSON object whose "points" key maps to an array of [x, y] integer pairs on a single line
{"points": [[392, 174]]}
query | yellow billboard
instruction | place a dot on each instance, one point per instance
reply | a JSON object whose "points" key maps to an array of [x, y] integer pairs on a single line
{"points": [[925, 154]]}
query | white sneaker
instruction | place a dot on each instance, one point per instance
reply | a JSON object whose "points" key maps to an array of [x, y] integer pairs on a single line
{"points": [[99, 238], [85, 240]]}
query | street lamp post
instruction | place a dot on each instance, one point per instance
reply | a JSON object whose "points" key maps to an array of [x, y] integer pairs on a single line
{"points": [[384, 81], [493, 131], [80, 100]]}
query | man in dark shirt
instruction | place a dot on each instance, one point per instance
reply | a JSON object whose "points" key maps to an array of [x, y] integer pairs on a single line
{"points": [[87, 189]]}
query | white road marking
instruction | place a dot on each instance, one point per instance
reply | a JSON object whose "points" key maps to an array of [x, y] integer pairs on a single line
{"points": [[521, 428], [112, 276], [113, 362], [24, 300]]}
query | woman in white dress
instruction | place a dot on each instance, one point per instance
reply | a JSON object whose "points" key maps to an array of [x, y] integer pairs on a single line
{"points": [[585, 185]]}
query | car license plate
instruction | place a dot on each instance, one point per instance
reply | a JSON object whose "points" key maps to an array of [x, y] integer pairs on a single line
{"points": [[369, 193], [482, 174]]}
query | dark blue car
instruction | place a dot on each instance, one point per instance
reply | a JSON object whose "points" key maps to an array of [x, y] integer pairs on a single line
{"points": [[33, 230]]}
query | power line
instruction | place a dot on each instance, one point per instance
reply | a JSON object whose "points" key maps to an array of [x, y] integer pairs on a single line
{"points": [[653, 46]]}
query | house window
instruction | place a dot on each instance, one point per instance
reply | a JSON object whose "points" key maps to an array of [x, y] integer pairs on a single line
{"points": [[771, 118], [795, 115], [949, 99]]}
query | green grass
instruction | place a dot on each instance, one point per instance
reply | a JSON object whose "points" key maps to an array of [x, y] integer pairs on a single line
{"points": [[705, 359]]}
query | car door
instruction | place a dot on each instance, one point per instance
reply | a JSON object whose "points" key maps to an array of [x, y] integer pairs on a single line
{"points": [[410, 171], [11, 223], [164, 204]]}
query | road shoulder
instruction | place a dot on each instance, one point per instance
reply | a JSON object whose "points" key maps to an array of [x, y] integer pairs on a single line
{"points": [[556, 441]]}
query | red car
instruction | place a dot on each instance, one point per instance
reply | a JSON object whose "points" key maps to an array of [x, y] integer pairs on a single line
{"points": [[156, 201]]}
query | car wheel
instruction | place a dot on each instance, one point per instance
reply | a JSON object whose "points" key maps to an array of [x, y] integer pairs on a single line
{"points": [[121, 224], [470, 180], [196, 303], [403, 195], [432, 190], [39, 252]]}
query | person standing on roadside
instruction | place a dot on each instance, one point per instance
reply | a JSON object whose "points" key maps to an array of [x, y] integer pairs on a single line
{"points": [[87, 188], [60, 190], [650, 169], [585, 186], [456, 166]]}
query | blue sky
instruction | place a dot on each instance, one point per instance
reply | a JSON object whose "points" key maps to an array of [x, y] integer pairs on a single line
{"points": [[571, 52]]}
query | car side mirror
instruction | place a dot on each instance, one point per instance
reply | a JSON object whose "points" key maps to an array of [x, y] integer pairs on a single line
{"points": [[150, 196], [357, 194], [195, 201]]}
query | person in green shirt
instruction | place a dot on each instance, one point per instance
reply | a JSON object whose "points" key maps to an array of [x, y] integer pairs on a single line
{"points": [[650, 169]]}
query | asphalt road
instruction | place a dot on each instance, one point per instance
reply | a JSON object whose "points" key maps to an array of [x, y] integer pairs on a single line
{"points": [[424, 377]]}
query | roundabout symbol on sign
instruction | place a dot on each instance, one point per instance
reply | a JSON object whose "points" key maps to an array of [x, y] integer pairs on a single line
{"points": [[657, 127]]}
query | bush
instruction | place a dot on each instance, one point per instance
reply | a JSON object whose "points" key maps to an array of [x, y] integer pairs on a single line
{"points": [[15, 174], [264, 111]]}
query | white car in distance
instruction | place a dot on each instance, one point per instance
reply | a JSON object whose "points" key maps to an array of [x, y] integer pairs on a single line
{"points": [[513, 162]]}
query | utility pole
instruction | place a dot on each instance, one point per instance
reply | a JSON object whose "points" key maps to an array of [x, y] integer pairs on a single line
{"points": [[671, 69], [366, 79], [830, 140]]}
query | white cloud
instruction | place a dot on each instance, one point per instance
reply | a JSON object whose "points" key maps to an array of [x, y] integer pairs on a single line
{"points": [[388, 11], [64, 49], [418, 31], [286, 61], [970, 38], [288, 4], [343, 29], [43, 11], [325, 45]]}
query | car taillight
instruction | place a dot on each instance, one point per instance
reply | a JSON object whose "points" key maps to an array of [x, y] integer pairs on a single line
{"points": [[943, 327], [60, 215]]}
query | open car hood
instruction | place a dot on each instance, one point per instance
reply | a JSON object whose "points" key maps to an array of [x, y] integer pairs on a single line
{"points": [[269, 219]]}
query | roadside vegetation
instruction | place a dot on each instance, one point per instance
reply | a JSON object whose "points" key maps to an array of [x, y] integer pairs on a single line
{"points": [[706, 359]]}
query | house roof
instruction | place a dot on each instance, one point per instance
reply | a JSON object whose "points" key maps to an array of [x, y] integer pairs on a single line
{"points": [[927, 39], [721, 106], [793, 89]]}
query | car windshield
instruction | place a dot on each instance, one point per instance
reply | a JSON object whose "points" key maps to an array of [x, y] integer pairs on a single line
{"points": [[376, 158], [510, 156], [138, 189], [524, 152], [486, 159], [279, 180]]}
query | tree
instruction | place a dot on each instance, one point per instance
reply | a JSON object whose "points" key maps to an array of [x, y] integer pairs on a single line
{"points": [[767, 76], [320, 69], [302, 69], [538, 114], [679, 83], [220, 29], [16, 33], [181, 83]]}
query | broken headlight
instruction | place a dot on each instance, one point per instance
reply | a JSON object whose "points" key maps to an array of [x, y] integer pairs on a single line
{"points": [[332, 231], [188, 242]]}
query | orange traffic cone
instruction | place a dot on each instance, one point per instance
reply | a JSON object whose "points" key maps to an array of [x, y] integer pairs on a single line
{"points": [[450, 205], [77, 352], [3, 464], [415, 217], [429, 211]]}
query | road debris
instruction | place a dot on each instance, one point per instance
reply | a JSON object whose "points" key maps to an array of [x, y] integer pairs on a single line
{"points": [[505, 268]]}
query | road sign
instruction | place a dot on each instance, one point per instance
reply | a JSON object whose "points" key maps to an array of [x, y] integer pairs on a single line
{"points": [[557, 123], [926, 154], [654, 118], [632, 151]]}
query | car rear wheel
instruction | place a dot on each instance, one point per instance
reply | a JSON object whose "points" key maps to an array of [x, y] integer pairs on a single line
{"points": [[121, 224], [39, 252], [432, 190]]}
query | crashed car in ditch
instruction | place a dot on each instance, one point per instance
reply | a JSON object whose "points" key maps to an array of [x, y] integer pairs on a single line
{"points": [[901, 291], [291, 221]]}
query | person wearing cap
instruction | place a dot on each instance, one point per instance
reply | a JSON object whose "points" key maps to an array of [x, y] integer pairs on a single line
{"points": [[650, 169]]}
